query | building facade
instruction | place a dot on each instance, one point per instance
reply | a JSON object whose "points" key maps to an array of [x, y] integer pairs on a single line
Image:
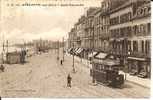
{"points": [[121, 28], [139, 54]]}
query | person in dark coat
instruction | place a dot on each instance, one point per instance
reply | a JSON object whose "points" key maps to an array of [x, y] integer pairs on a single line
{"points": [[61, 62], [69, 79], [2, 68]]}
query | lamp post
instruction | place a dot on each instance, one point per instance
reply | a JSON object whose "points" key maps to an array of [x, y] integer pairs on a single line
{"points": [[125, 57], [73, 67], [93, 46], [63, 48], [73, 60]]}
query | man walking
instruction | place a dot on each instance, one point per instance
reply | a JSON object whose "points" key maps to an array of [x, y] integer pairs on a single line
{"points": [[69, 80]]}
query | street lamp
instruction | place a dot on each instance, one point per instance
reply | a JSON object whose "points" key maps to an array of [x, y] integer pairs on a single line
{"points": [[73, 60], [63, 48]]}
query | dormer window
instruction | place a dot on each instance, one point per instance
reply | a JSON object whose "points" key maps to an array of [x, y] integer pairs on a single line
{"points": [[140, 12], [146, 10], [149, 9]]}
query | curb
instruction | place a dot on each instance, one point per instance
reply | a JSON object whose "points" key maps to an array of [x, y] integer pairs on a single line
{"points": [[138, 84]]}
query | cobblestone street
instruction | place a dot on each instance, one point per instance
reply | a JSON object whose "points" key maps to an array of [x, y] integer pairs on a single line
{"points": [[43, 76]]}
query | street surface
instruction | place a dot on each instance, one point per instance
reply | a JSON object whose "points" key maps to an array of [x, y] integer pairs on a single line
{"points": [[43, 76]]}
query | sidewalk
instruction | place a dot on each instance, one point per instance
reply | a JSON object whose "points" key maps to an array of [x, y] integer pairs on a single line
{"points": [[145, 82]]}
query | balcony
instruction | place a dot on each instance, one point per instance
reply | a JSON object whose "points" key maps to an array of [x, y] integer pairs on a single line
{"points": [[139, 54]]}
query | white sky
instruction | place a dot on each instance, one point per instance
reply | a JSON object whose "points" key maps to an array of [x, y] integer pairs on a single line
{"points": [[36, 22]]}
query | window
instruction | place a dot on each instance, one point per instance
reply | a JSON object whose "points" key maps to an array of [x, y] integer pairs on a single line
{"points": [[149, 28], [147, 46], [135, 46], [149, 9], [135, 28], [142, 28], [129, 45], [146, 10]]}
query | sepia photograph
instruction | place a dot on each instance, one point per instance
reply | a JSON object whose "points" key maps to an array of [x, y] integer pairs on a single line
{"points": [[75, 49]]}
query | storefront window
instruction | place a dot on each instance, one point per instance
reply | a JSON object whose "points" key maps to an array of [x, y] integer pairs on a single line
{"points": [[142, 46]]}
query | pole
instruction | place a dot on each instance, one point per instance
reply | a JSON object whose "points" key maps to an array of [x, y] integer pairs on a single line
{"points": [[3, 52], [93, 79], [58, 51], [7, 45], [73, 59], [7, 52], [63, 48]]}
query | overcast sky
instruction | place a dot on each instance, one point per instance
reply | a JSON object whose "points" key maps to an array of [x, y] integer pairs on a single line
{"points": [[35, 22]]}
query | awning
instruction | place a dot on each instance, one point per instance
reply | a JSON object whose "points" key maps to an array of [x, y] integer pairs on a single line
{"points": [[92, 54], [75, 50], [101, 55], [135, 58], [69, 49], [79, 51]]}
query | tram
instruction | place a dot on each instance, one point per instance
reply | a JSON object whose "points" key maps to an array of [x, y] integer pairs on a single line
{"points": [[107, 72]]}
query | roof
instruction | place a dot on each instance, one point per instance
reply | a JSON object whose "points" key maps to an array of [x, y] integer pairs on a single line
{"points": [[92, 54], [135, 58], [107, 62], [97, 10], [101, 55], [13, 53], [127, 4]]}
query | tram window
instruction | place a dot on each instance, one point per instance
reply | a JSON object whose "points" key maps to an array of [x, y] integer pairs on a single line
{"points": [[109, 68], [99, 67], [96, 66], [103, 67]]}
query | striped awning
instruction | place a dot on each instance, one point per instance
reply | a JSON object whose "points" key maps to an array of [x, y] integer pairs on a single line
{"points": [[80, 50]]}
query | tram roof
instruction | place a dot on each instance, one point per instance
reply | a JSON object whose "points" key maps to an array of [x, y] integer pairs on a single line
{"points": [[106, 62]]}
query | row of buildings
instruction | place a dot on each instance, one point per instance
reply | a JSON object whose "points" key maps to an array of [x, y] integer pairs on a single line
{"points": [[119, 27]]}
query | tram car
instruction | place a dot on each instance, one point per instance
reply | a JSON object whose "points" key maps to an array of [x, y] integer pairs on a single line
{"points": [[106, 72]]}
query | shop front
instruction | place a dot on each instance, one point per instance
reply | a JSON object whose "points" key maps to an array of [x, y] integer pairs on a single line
{"points": [[140, 67]]}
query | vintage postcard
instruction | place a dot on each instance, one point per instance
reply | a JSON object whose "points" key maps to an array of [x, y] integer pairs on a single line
{"points": [[75, 48]]}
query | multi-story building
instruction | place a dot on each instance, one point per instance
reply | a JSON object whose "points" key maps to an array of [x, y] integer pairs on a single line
{"points": [[101, 27], [130, 33], [72, 37], [97, 29], [105, 23], [121, 28], [89, 29], [139, 53]]}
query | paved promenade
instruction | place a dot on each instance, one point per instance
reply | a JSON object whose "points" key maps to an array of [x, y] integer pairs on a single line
{"points": [[43, 76]]}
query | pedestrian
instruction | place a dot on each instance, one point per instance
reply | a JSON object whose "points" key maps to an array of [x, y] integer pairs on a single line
{"points": [[2, 68], [69, 79], [61, 62]]}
